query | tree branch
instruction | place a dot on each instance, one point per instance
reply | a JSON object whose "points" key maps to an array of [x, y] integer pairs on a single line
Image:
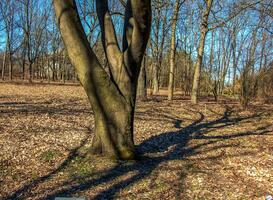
{"points": [[223, 22], [108, 34], [136, 29]]}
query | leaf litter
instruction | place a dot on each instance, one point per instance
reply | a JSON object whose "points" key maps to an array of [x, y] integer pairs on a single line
{"points": [[206, 151]]}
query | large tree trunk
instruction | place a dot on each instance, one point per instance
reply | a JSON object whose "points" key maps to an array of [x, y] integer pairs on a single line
{"points": [[112, 97], [198, 65]]}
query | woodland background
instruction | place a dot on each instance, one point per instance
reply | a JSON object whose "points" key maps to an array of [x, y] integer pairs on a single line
{"points": [[236, 57]]}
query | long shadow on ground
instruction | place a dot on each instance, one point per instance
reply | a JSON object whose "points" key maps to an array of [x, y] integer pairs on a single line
{"points": [[155, 151]]}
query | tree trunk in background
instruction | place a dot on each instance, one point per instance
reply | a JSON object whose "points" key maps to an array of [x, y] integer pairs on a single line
{"points": [[155, 78], [160, 33], [172, 50], [197, 72], [198, 65], [112, 97], [247, 82], [4, 65], [233, 46], [64, 71], [10, 66], [209, 79], [30, 72], [23, 69], [259, 79]]}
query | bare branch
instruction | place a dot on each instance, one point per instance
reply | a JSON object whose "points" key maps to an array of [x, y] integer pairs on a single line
{"points": [[108, 34], [243, 8]]}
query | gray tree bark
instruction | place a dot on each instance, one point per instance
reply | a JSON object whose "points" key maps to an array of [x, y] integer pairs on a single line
{"points": [[203, 33], [172, 50]]}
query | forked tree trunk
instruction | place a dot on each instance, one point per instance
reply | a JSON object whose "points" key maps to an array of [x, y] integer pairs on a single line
{"points": [[112, 97]]}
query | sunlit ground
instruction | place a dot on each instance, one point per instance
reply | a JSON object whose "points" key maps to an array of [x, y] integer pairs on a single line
{"points": [[205, 151]]}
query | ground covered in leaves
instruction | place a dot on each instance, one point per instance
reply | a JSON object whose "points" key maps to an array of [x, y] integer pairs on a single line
{"points": [[205, 151]]}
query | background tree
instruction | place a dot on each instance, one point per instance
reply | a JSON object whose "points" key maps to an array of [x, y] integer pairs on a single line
{"points": [[203, 32], [37, 52], [8, 11], [158, 40], [176, 9]]}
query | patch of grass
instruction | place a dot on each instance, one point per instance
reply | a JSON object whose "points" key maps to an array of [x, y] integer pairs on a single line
{"points": [[81, 168], [161, 184], [15, 177], [34, 176], [50, 155]]}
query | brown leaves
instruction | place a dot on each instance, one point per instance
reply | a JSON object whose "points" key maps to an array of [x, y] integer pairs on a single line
{"points": [[45, 134]]}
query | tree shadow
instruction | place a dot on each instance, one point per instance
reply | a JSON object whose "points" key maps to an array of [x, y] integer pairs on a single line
{"points": [[55, 106], [19, 194], [156, 150]]}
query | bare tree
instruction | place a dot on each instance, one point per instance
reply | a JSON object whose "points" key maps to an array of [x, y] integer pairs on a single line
{"points": [[112, 96], [176, 8], [203, 32], [158, 40], [33, 31], [8, 10]]}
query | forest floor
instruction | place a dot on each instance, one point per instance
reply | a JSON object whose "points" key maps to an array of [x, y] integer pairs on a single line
{"points": [[206, 151]]}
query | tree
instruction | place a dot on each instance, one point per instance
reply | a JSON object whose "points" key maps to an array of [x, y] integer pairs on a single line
{"points": [[203, 32], [112, 96], [33, 31], [172, 49], [158, 40], [8, 10]]}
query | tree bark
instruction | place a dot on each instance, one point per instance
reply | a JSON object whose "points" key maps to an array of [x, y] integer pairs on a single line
{"points": [[30, 72], [172, 50], [10, 66], [112, 97], [23, 69], [4, 65], [155, 78], [197, 72], [142, 84], [158, 46]]}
